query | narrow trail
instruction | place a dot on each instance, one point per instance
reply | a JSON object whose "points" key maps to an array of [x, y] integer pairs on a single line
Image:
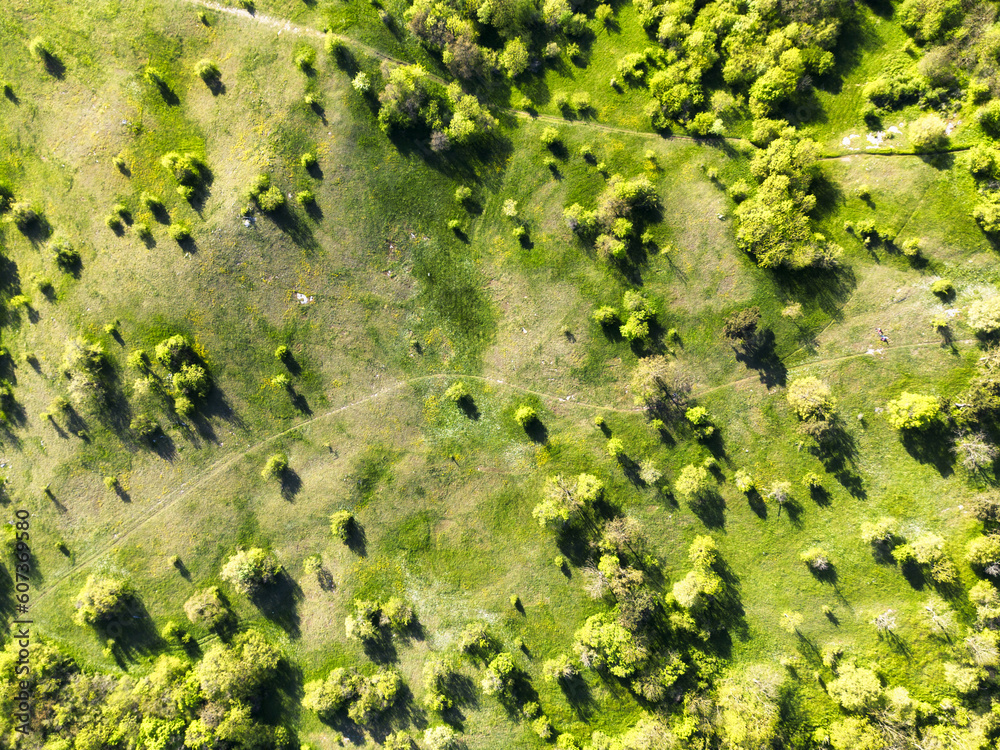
{"points": [[284, 25], [225, 463]]}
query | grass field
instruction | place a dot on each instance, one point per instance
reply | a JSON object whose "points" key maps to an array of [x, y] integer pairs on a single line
{"points": [[383, 307]]}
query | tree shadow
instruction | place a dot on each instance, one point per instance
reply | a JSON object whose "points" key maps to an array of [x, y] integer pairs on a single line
{"points": [[291, 484], [356, 539], [710, 508], [579, 696], [930, 446], [169, 97], [278, 602], [537, 431], [757, 504], [913, 574], [469, 408], [820, 495], [758, 353], [54, 66], [132, 630]]}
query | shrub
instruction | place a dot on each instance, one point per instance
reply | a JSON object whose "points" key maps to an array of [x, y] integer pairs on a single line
{"points": [[817, 559], [361, 83], [605, 315], [983, 553], [271, 199], [174, 352], [188, 169], [207, 608], [207, 71], [275, 467], [615, 447], [929, 20], [812, 481], [341, 524], [65, 255], [113, 222], [305, 197], [40, 49], [549, 137], [456, 392], [281, 353], [249, 570], [143, 231], [745, 482], [305, 59], [102, 600], [943, 288], [525, 415], [23, 216], [463, 193], [928, 133], [855, 688], [880, 532], [151, 202], [144, 426], [179, 232], [989, 118], [441, 737]]}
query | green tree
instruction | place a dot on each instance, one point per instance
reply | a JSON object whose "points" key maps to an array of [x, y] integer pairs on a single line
{"points": [[102, 599], [249, 570], [694, 482], [912, 411]]}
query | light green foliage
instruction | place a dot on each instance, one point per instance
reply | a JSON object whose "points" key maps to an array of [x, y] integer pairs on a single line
{"points": [[943, 288], [441, 737], [912, 411], [750, 707], [438, 670], [693, 483], [207, 71], [928, 133], [745, 481], [457, 392], [984, 315], [881, 531], [341, 524], [604, 644], [249, 570], [563, 500], [856, 689], [983, 553], [102, 600], [275, 466], [929, 20], [525, 415]]}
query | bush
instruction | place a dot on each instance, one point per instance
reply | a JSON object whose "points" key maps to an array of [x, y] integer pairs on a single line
{"points": [[305, 59], [943, 288], [207, 71], [549, 137], [928, 134], [179, 232], [912, 411], [525, 415], [989, 118], [983, 553], [151, 202], [305, 197], [207, 608], [456, 392], [144, 426], [270, 200], [605, 316], [929, 20], [143, 231], [23, 216], [275, 467], [65, 255], [174, 352], [441, 737], [342, 524], [249, 570], [817, 559]]}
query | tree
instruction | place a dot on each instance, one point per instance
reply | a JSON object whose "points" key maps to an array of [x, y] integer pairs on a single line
{"points": [[694, 482], [604, 644], [810, 399], [750, 708], [912, 411], [102, 599], [514, 58], [983, 553], [984, 315], [741, 325], [328, 696], [563, 501], [441, 737], [249, 570], [276, 466], [856, 689]]}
